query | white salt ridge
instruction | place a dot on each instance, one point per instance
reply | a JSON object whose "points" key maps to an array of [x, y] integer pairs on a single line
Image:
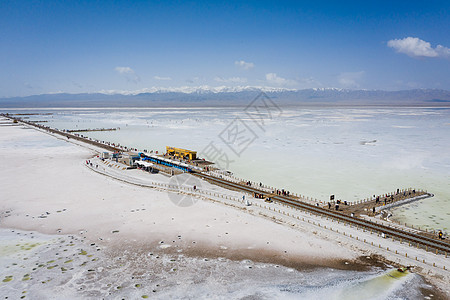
{"points": [[213, 278]]}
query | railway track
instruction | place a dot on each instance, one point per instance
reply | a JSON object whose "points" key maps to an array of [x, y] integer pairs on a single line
{"points": [[415, 239], [422, 241], [67, 135]]}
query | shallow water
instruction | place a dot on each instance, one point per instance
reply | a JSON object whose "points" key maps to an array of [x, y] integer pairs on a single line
{"points": [[351, 153], [313, 152]]}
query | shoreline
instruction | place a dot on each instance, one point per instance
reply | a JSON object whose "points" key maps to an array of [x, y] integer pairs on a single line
{"points": [[216, 105]]}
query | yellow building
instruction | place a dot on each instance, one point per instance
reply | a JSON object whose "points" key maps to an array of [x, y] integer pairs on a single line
{"points": [[181, 153]]}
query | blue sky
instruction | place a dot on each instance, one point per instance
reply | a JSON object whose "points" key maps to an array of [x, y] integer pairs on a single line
{"points": [[90, 46]]}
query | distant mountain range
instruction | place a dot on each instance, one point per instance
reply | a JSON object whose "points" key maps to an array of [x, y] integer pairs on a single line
{"points": [[232, 96]]}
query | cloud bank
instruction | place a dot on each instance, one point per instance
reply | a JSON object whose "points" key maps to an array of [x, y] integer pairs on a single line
{"points": [[231, 80], [244, 65], [162, 78], [350, 79], [415, 47], [128, 73], [274, 79], [124, 70]]}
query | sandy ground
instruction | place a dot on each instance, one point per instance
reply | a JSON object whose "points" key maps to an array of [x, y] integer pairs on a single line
{"points": [[47, 188]]}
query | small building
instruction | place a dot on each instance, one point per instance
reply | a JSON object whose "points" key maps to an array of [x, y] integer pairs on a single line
{"points": [[128, 158], [105, 155], [147, 166], [125, 159], [181, 153]]}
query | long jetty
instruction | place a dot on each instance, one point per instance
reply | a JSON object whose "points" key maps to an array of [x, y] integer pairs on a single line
{"points": [[88, 130], [31, 114], [418, 239], [65, 134], [372, 205]]}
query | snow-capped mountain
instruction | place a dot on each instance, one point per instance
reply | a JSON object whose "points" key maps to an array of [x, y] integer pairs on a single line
{"points": [[204, 89], [233, 96]]}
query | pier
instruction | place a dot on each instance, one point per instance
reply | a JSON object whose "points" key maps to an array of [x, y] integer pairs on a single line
{"points": [[88, 130], [67, 135], [30, 114], [375, 204]]}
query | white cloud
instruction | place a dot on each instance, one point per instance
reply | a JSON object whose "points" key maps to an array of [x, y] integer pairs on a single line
{"points": [[273, 78], [193, 80], [443, 51], [124, 70], [350, 79], [128, 73], [244, 65], [416, 47], [162, 78], [309, 82], [231, 80]]}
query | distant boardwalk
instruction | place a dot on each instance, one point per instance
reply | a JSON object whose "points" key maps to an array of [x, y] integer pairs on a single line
{"points": [[373, 205], [95, 129]]}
